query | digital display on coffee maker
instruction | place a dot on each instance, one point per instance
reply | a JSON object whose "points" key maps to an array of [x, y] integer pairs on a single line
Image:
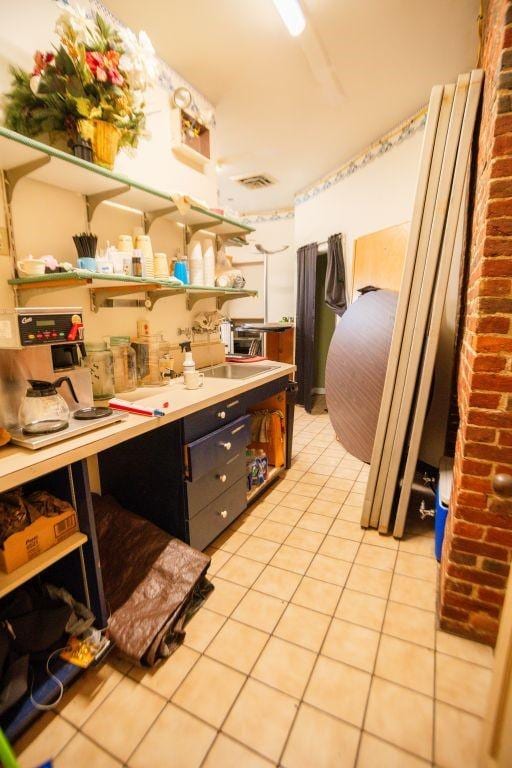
{"points": [[45, 323]]}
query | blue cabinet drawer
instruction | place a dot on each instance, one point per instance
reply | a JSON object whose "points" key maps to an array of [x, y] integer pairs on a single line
{"points": [[214, 518], [213, 417], [215, 482], [215, 449]]}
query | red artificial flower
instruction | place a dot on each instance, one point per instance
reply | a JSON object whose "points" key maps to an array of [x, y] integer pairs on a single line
{"points": [[96, 63], [115, 77], [42, 60]]}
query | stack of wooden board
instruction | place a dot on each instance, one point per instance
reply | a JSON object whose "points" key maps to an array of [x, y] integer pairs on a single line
{"points": [[438, 204]]}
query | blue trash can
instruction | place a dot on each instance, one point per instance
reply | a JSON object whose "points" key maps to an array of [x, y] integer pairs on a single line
{"points": [[443, 493]]}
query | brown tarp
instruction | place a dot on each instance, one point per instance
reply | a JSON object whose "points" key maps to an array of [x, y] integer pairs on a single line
{"points": [[149, 580]]}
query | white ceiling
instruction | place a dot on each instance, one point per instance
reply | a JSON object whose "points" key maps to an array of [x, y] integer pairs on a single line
{"points": [[272, 114]]}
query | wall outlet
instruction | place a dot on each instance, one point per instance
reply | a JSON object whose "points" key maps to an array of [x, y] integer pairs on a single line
{"points": [[4, 242]]}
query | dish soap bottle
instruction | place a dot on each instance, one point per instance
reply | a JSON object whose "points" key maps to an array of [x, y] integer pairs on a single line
{"points": [[189, 365]]}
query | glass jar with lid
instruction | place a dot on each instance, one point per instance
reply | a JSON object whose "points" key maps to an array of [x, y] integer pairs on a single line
{"points": [[151, 353], [125, 367], [100, 362]]}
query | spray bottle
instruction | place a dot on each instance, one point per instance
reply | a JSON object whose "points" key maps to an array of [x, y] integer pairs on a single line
{"points": [[188, 364]]}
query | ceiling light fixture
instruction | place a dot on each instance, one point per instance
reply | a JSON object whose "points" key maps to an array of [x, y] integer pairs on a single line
{"points": [[292, 15]]}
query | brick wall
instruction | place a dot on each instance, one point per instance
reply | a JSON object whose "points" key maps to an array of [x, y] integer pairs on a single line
{"points": [[478, 545]]}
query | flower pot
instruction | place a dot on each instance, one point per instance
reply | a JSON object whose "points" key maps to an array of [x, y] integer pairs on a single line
{"points": [[57, 139], [105, 143]]}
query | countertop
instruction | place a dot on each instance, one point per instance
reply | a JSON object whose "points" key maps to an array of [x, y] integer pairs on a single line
{"points": [[19, 465]]}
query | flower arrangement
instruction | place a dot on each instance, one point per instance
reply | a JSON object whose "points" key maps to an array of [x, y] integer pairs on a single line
{"points": [[90, 89]]}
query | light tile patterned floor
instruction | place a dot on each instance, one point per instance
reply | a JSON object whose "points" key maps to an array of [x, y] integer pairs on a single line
{"points": [[317, 649]]}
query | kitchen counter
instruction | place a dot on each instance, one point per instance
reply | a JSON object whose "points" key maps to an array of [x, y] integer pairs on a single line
{"points": [[19, 465]]}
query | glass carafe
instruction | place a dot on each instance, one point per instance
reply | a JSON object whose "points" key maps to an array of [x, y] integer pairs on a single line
{"points": [[43, 410]]}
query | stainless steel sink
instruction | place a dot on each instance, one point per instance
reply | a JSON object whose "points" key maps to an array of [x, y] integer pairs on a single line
{"points": [[236, 370]]}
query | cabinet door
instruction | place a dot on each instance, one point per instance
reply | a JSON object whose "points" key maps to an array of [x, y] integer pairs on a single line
{"points": [[215, 482], [215, 449], [213, 519]]}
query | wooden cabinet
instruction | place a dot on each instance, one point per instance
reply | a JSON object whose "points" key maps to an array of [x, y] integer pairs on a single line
{"points": [[189, 477], [279, 345]]}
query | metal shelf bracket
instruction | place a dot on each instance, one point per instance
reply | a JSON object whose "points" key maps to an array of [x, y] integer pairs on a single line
{"points": [[92, 201], [191, 229], [13, 175], [151, 216]]}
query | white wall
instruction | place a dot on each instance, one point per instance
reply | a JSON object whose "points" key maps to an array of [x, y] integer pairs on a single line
{"points": [[379, 195], [272, 235]]}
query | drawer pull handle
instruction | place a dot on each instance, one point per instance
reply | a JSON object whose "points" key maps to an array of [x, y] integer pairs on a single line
{"points": [[223, 514], [234, 431], [222, 478], [227, 446], [232, 403], [221, 414]]}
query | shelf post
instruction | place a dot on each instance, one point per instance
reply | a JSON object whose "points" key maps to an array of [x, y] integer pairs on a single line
{"points": [[92, 201]]}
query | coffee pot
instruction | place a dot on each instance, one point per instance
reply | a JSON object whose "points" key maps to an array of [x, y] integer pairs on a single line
{"points": [[43, 410]]}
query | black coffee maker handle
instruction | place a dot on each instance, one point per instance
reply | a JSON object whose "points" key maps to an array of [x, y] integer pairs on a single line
{"points": [[67, 380]]}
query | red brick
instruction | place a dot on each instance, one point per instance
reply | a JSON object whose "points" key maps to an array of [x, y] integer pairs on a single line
{"points": [[462, 587], [479, 468], [496, 268], [455, 613], [475, 576], [505, 438], [491, 452], [490, 363], [468, 530], [469, 604], [503, 124], [499, 536], [501, 168], [482, 484], [483, 400], [479, 548], [490, 418], [497, 246], [492, 324], [481, 434], [502, 146], [493, 344], [494, 566], [492, 305], [491, 596]]}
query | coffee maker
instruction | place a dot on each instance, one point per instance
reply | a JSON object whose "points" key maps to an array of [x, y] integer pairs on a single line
{"points": [[41, 343]]}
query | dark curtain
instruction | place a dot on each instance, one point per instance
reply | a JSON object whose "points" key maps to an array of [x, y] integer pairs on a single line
{"points": [[305, 323], [335, 294]]}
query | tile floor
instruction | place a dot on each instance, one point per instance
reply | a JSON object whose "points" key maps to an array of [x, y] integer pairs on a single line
{"points": [[317, 649]]}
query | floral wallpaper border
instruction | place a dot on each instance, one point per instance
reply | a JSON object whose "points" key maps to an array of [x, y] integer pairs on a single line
{"points": [[259, 218], [390, 140], [168, 78]]}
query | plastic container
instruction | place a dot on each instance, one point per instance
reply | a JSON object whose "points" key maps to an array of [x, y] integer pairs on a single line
{"points": [[100, 362], [150, 352], [443, 493], [125, 365]]}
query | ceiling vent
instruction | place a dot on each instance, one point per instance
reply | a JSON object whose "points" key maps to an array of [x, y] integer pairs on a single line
{"points": [[255, 180]]}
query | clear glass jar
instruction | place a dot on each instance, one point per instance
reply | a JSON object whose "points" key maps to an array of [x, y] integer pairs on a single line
{"points": [[125, 366], [151, 352], [100, 362]]}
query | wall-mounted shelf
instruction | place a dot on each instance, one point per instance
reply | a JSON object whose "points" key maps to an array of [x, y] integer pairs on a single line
{"points": [[104, 289], [22, 157], [10, 581]]}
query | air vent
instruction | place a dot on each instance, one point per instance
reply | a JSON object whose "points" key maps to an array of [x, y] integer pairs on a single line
{"points": [[255, 180]]}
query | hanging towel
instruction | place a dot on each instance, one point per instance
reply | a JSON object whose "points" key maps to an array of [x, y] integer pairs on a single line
{"points": [[335, 293]]}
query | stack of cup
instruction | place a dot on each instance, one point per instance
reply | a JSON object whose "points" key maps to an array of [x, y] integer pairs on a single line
{"points": [[195, 264], [209, 264]]}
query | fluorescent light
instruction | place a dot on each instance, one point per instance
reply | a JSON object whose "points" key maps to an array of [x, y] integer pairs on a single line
{"points": [[291, 13]]}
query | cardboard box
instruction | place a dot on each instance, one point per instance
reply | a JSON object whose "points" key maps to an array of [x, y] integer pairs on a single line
{"points": [[41, 535]]}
